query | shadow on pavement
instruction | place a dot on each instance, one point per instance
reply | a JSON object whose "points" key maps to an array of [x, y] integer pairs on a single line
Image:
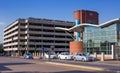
{"points": [[74, 71], [4, 68], [83, 72]]}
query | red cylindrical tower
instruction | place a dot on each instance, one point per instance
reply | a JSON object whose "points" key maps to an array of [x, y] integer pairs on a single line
{"points": [[86, 16], [80, 17]]}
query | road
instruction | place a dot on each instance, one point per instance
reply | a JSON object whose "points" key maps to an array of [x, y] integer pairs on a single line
{"points": [[18, 65]]}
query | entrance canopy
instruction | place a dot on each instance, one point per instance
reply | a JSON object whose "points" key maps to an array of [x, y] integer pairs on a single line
{"points": [[79, 28]]}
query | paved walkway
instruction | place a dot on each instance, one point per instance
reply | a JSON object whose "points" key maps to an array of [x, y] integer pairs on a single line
{"points": [[113, 66]]}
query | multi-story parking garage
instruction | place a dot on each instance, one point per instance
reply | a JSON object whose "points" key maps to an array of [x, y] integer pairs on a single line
{"points": [[34, 34]]}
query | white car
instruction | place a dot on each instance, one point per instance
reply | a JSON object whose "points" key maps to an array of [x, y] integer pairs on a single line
{"points": [[65, 55], [83, 57], [52, 55]]}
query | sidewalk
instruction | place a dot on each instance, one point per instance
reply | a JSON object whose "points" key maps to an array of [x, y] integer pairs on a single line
{"points": [[112, 66]]}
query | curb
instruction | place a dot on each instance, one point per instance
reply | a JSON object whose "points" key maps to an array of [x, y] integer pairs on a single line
{"points": [[77, 66]]}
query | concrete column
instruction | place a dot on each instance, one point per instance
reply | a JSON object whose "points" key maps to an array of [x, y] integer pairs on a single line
{"points": [[27, 48], [113, 56], [37, 54], [19, 47], [33, 54], [95, 55], [102, 56]]}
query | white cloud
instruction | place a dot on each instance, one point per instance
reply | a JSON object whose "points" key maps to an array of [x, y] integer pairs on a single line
{"points": [[2, 23]]}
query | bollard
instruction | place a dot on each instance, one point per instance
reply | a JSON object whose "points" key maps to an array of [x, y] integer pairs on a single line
{"points": [[36, 53], [102, 56], [33, 54]]}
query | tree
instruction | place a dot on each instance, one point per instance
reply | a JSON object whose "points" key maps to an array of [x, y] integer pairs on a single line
{"points": [[1, 48]]}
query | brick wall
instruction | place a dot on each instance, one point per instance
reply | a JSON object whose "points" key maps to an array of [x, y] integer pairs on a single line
{"points": [[76, 47], [85, 15]]}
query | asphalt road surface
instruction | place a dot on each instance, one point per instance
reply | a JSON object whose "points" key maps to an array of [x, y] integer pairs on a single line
{"points": [[18, 65]]}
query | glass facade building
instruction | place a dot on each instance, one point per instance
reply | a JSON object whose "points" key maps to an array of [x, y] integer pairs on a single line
{"points": [[100, 39]]}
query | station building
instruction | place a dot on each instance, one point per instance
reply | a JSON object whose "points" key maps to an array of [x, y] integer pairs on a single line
{"points": [[36, 34], [105, 38], [92, 37], [99, 38]]}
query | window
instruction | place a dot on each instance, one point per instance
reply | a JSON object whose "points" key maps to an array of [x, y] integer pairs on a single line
{"points": [[91, 21], [90, 14]]}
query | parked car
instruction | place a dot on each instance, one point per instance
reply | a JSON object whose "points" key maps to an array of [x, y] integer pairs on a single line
{"points": [[83, 57], [6, 55], [52, 55], [1, 54], [65, 55], [28, 56]]}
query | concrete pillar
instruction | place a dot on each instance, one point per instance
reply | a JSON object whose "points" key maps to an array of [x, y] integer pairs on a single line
{"points": [[37, 54], [95, 55], [113, 55], [33, 54], [102, 56]]}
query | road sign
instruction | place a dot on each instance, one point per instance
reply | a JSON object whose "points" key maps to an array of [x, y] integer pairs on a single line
{"points": [[43, 49]]}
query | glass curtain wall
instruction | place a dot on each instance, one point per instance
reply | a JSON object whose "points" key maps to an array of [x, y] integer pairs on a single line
{"points": [[99, 39], [118, 39]]}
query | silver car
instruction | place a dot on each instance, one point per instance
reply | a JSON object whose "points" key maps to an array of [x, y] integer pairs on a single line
{"points": [[83, 57]]}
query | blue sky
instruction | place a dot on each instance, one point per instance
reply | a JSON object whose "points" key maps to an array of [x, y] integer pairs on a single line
{"points": [[10, 10]]}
